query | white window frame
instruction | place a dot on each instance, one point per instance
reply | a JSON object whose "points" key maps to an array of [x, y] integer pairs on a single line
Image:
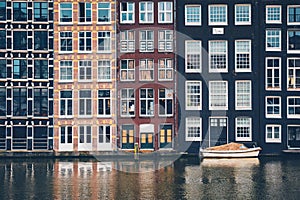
{"points": [[288, 19], [86, 144], [109, 12], [127, 41], [192, 124], [168, 96], [148, 12], [127, 99], [60, 9], [243, 99], [248, 125], [106, 37], [146, 70], [273, 139], [191, 16], [165, 41], [85, 100], [217, 94], [217, 23], [191, 49], [127, 13], [66, 68], [269, 21], [104, 145], [104, 67], [190, 94], [218, 51], [273, 69], [297, 51], [85, 66], [165, 69], [273, 105], [85, 13], [240, 64], [65, 38], [293, 82], [164, 11], [85, 38], [146, 43], [104, 99], [248, 22], [273, 37], [149, 112], [295, 106], [66, 104], [127, 70], [66, 146]]}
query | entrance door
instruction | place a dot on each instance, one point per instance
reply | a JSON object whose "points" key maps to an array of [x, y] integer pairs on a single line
{"points": [[217, 131], [294, 136], [165, 136], [127, 137], [146, 140]]}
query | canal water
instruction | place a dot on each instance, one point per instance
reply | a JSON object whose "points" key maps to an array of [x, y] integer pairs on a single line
{"points": [[186, 178]]}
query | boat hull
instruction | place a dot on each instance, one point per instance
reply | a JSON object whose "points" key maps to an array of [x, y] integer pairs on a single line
{"points": [[247, 153]]}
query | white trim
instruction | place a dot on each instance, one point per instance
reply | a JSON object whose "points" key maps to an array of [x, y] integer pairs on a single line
{"points": [[65, 38], [249, 94], [104, 146], [85, 99], [85, 146], [293, 116], [273, 21], [297, 51], [85, 69], [127, 12], [235, 14], [185, 15], [191, 122], [59, 12], [109, 22], [59, 72], [273, 74], [245, 52], [165, 12], [85, 11], [65, 146], [59, 104], [224, 93], [195, 42], [250, 129], [191, 107], [272, 140], [266, 40], [288, 21], [217, 23], [222, 70], [146, 11], [273, 105]]}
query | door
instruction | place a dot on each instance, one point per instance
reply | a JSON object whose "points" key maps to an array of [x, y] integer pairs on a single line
{"points": [[165, 136], [217, 131], [127, 137], [293, 136], [146, 140]]}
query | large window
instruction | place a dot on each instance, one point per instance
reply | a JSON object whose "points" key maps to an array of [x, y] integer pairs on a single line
{"points": [[66, 70], [66, 104], [41, 69], [165, 41], [218, 56], [104, 134], [193, 56], [104, 42], [218, 95], [165, 69], [294, 41], [273, 14], [146, 70], [127, 70], [2, 101], [146, 41], [41, 40], [193, 92], [193, 129], [165, 102], [85, 12], [85, 70], [273, 107], [273, 133], [66, 135], [85, 134], [242, 14], [66, 11], [273, 40], [104, 70], [127, 41], [243, 96], [40, 10], [20, 40], [104, 102], [165, 12], [293, 107], [85, 41], [40, 138], [243, 55], [127, 102], [20, 11], [217, 15], [273, 73], [127, 12], [294, 14], [192, 15], [3, 70], [104, 12], [146, 102], [20, 69], [66, 42], [243, 129], [293, 73], [3, 10], [3, 39], [40, 102], [85, 103], [146, 12], [20, 102]]}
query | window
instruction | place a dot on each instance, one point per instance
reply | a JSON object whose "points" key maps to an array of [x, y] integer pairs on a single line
{"points": [[165, 41], [3, 108], [273, 40], [273, 73], [2, 38], [127, 12], [165, 12], [66, 135], [192, 15], [3, 10], [217, 15], [243, 55], [66, 42], [293, 107], [40, 10], [127, 41], [85, 134], [243, 95], [218, 56], [20, 40], [66, 104], [20, 69], [85, 103], [41, 40], [19, 102], [127, 70], [146, 41], [165, 69], [146, 70], [218, 95], [243, 130], [242, 14], [66, 70], [104, 43], [104, 12], [193, 90], [146, 12], [40, 138], [294, 14], [85, 41], [293, 73], [85, 12], [104, 108], [3, 71], [127, 102], [273, 133], [146, 102], [40, 102], [193, 129], [104, 70], [41, 69], [165, 102], [20, 11], [104, 134], [66, 11], [193, 56], [293, 41], [85, 70], [273, 107], [273, 14]]}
